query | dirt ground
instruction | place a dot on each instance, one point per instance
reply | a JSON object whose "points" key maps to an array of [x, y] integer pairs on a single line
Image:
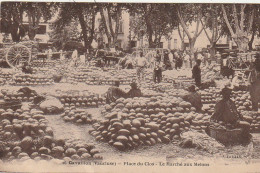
{"points": [[79, 133], [159, 152]]}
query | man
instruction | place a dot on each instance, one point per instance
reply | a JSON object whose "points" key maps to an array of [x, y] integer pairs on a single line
{"points": [[237, 81], [157, 72], [171, 59], [254, 79], [196, 73], [167, 60], [226, 111], [26, 68], [49, 53], [134, 91], [158, 56], [201, 57], [114, 92], [226, 69], [74, 57], [186, 58], [178, 59], [141, 63], [194, 98]]}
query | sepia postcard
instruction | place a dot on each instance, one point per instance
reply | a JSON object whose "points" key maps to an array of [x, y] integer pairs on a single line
{"points": [[130, 86]]}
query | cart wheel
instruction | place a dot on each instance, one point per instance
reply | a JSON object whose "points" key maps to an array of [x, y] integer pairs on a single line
{"points": [[17, 54]]}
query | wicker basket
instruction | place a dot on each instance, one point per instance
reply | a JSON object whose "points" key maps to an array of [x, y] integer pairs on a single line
{"points": [[227, 137]]}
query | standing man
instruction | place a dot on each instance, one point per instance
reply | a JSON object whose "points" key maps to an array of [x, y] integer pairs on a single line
{"points": [[74, 57], [157, 73], [141, 62], [167, 60], [49, 53], [196, 73]]}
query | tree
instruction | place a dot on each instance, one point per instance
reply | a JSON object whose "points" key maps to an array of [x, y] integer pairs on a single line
{"points": [[111, 14], [151, 20], [239, 20], [255, 27], [213, 22], [12, 19], [68, 33], [35, 12], [84, 13], [182, 37], [188, 13]]}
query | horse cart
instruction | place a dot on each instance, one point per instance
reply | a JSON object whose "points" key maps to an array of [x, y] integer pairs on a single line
{"points": [[15, 54]]}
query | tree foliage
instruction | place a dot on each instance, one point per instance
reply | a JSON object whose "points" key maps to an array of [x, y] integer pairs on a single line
{"points": [[84, 13], [152, 21], [239, 19], [12, 19], [70, 32]]}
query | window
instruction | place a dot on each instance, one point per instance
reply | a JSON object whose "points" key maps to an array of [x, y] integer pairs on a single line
{"points": [[161, 45], [119, 43], [121, 29], [169, 44], [133, 44], [175, 43]]}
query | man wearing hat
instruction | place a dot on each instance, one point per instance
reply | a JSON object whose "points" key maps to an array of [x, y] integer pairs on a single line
{"points": [[226, 111], [114, 92], [134, 91], [196, 73], [194, 98]]}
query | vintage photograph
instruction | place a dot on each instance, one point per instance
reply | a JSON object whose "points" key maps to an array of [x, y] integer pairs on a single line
{"points": [[129, 87]]}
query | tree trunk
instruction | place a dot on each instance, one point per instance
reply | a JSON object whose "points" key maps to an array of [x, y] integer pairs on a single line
{"points": [[192, 50], [14, 32], [83, 27], [250, 43], [212, 50], [91, 37], [242, 43], [109, 39]]}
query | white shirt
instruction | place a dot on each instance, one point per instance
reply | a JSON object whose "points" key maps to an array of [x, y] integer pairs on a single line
{"points": [[141, 61], [235, 82], [171, 57], [74, 54], [201, 57]]}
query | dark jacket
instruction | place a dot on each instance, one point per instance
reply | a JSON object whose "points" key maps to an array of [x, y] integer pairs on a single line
{"points": [[134, 93], [114, 93], [226, 111]]}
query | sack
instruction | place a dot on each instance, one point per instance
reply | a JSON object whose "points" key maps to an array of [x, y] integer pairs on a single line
{"points": [[51, 105]]}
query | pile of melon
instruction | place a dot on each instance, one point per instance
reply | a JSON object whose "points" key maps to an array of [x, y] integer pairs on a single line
{"points": [[78, 116], [253, 118], [79, 98], [42, 70], [210, 96], [6, 76], [32, 79], [46, 63], [242, 100], [93, 76], [143, 121], [200, 121], [24, 134], [17, 96], [21, 123]]}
